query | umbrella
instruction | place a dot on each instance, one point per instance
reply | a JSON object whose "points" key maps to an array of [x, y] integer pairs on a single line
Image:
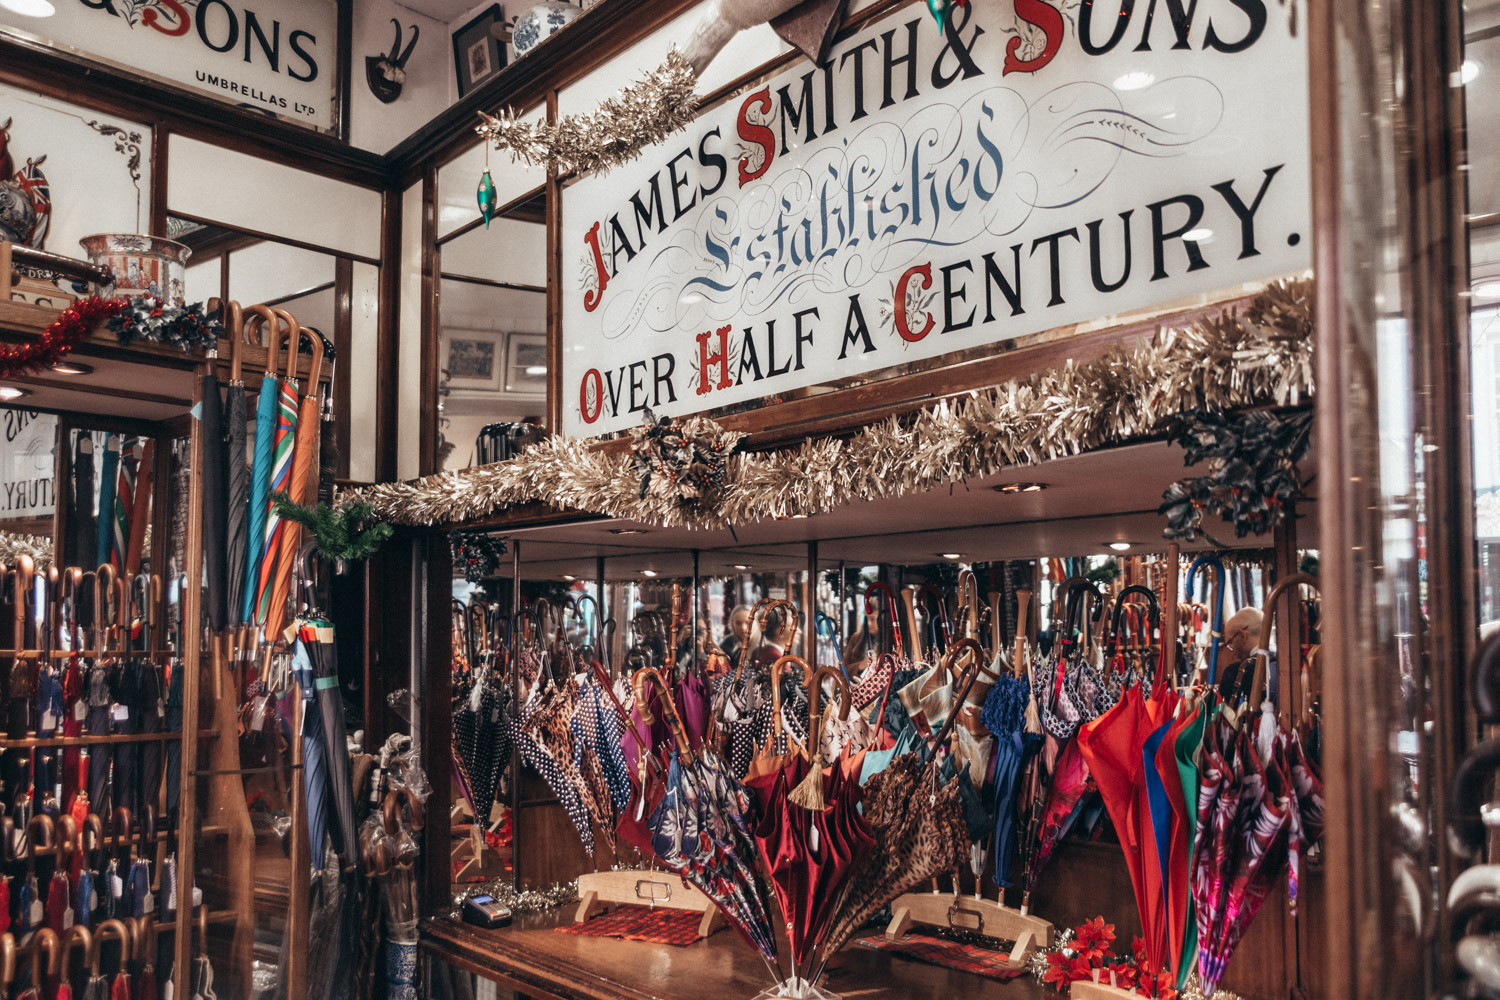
{"points": [[701, 831], [236, 477], [304, 445], [108, 476], [260, 474], [481, 736], [1112, 746], [1217, 628], [215, 487], [140, 506], [315, 634], [83, 535], [98, 696], [283, 443], [152, 698], [315, 763], [124, 506], [918, 826]]}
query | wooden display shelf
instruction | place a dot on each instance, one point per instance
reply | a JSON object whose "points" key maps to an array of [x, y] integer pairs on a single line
{"points": [[532, 958]]}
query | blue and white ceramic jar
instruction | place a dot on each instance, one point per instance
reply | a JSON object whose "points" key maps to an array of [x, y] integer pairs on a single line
{"points": [[540, 22]]}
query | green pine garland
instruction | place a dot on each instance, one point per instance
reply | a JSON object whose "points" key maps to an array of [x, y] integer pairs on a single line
{"points": [[350, 533]]}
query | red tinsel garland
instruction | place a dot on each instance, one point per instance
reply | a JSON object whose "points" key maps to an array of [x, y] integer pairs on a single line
{"points": [[66, 333]]}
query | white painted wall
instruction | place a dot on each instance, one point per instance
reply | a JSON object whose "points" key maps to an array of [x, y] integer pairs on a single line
{"points": [[429, 87]]}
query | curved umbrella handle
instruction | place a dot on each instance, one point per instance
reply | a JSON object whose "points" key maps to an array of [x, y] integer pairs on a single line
{"points": [[961, 689], [815, 705], [1216, 631], [926, 591], [112, 928], [1263, 654], [891, 610], [968, 602], [1484, 681], [669, 709], [1473, 782], [806, 672], [44, 949]]}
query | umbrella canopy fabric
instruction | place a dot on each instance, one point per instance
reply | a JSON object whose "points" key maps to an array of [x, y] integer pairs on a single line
{"points": [[83, 535], [911, 844], [316, 636], [215, 509], [236, 501], [282, 446], [1004, 715], [108, 476], [303, 448], [315, 769], [260, 492]]}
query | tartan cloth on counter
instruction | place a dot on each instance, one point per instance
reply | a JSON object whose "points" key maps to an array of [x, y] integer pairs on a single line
{"points": [[642, 923], [973, 958]]}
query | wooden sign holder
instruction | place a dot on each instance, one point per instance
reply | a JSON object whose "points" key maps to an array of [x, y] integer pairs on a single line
{"points": [[599, 892], [974, 914], [1083, 989]]}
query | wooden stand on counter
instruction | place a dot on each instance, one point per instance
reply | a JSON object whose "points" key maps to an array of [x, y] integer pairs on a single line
{"points": [[599, 892], [1085, 990], [973, 914]]}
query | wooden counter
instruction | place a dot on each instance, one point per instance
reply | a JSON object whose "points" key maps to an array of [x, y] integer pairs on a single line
{"points": [[531, 958]]}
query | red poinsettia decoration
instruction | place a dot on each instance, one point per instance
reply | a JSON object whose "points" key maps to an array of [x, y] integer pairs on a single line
{"points": [[1093, 938], [1090, 958]]}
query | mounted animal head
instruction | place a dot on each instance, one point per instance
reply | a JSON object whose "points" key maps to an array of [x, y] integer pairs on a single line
{"points": [[387, 73]]}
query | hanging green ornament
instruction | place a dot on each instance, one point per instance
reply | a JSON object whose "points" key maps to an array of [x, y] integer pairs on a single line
{"points": [[489, 198], [940, 9]]}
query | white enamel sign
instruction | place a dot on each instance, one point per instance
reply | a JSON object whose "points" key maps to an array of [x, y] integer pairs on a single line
{"points": [[274, 56], [921, 193]]}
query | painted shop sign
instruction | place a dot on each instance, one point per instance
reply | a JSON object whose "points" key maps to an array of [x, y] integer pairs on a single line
{"points": [[274, 56], [921, 193], [28, 440]]}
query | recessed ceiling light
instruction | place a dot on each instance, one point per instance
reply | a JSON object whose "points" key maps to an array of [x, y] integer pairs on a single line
{"points": [[1487, 289], [648, 572], [1119, 546], [73, 368], [29, 8], [13, 392], [1020, 488], [1135, 80], [798, 517], [1199, 235], [570, 579], [741, 565], [951, 555], [627, 531], [1466, 73]]}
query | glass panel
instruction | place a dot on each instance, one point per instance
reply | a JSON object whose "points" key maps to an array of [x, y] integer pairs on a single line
{"points": [[493, 366]]}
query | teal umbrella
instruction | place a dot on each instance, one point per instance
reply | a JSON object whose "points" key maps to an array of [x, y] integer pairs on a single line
{"points": [[107, 477], [260, 472]]}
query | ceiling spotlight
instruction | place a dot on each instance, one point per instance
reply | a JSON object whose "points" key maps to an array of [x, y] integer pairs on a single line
{"points": [[29, 8], [742, 566], [648, 572], [570, 579], [951, 555], [1008, 488], [13, 392], [798, 517], [627, 531], [1119, 546], [73, 368]]}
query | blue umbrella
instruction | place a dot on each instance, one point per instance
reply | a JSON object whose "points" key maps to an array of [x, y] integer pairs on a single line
{"points": [[260, 475], [314, 754]]}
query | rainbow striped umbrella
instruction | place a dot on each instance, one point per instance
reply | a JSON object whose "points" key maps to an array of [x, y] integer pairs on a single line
{"points": [[283, 445], [107, 480], [260, 470], [306, 444]]}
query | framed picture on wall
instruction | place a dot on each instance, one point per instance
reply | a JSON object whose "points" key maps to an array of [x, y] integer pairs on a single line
{"points": [[479, 48], [475, 359], [526, 363]]}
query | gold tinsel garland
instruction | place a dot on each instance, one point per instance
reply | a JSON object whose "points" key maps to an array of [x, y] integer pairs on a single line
{"points": [[1258, 355], [642, 114], [519, 901], [13, 545]]}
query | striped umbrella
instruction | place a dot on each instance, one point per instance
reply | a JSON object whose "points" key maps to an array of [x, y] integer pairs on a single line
{"points": [[314, 754], [306, 443], [107, 482], [282, 446], [124, 506], [260, 467], [236, 475]]}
